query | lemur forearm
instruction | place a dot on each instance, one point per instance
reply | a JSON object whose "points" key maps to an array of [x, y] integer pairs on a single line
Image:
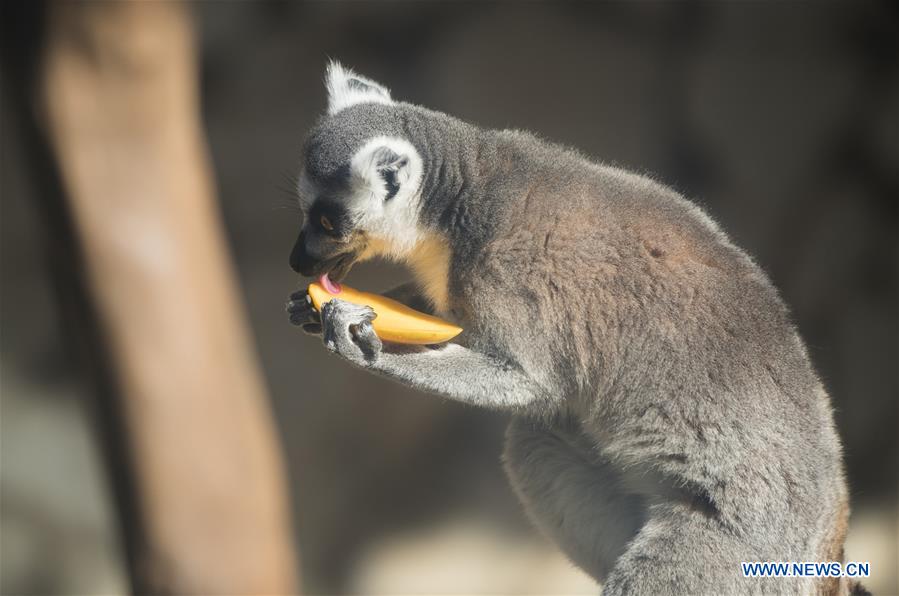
{"points": [[452, 370], [461, 374]]}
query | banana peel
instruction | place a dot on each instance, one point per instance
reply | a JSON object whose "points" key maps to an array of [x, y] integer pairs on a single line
{"points": [[394, 322]]}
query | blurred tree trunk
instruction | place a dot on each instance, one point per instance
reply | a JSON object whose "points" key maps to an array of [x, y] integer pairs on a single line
{"points": [[119, 86]]}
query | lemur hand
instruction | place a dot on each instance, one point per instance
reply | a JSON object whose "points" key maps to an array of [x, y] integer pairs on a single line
{"points": [[347, 331], [301, 313]]}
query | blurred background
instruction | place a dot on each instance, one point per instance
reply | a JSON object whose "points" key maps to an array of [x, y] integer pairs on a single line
{"points": [[780, 119]]}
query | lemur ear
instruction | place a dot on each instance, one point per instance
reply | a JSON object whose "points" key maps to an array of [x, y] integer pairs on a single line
{"points": [[388, 167], [346, 88], [392, 167]]}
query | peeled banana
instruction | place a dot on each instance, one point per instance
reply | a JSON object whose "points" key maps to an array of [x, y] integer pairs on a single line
{"points": [[393, 322]]}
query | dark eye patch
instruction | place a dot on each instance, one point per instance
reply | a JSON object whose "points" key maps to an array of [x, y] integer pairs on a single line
{"points": [[336, 214]]}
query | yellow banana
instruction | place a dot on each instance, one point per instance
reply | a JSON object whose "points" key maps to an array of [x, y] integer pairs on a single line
{"points": [[394, 321]]}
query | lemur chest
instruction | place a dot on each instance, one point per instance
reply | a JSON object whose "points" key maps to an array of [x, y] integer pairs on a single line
{"points": [[430, 266]]}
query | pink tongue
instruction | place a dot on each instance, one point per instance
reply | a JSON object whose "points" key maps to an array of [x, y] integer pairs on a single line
{"points": [[332, 287]]}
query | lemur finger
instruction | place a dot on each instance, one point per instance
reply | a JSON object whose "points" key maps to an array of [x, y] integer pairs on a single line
{"points": [[367, 340], [335, 327], [347, 313], [300, 309], [299, 318], [297, 307], [312, 328]]}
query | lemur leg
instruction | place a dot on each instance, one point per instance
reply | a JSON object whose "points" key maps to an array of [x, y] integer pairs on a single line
{"points": [[450, 370], [684, 550], [571, 494]]}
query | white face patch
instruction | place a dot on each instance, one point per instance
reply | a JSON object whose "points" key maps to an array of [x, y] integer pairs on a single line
{"points": [[346, 88], [385, 182]]}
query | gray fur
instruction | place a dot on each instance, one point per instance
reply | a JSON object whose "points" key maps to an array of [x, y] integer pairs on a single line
{"points": [[668, 423]]}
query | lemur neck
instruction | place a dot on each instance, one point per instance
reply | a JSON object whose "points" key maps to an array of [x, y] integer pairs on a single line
{"points": [[457, 160], [430, 262]]}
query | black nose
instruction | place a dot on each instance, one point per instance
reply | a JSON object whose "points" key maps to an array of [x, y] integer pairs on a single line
{"points": [[300, 261]]}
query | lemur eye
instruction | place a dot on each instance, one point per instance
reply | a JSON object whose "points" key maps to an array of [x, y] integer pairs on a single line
{"points": [[326, 223]]}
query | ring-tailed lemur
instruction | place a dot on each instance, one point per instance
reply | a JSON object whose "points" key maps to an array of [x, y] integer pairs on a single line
{"points": [[668, 424]]}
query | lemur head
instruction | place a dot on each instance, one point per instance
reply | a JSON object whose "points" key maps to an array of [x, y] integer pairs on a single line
{"points": [[360, 185]]}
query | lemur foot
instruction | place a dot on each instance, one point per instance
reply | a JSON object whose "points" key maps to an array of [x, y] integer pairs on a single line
{"points": [[300, 312], [347, 331]]}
